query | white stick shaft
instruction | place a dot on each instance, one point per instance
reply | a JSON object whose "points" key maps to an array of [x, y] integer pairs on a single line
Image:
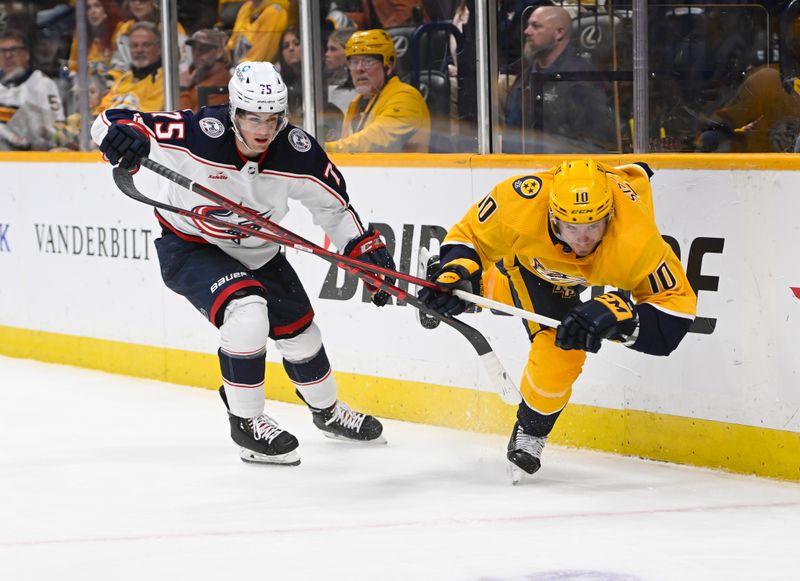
{"points": [[504, 308]]}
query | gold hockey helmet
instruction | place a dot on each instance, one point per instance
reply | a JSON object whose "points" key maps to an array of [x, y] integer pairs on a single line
{"points": [[372, 42], [581, 193]]}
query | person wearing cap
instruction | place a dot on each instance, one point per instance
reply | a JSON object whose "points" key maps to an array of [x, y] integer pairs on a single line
{"points": [[388, 115], [209, 68], [551, 235]]}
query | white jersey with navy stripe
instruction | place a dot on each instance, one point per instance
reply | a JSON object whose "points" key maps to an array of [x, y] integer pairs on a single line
{"points": [[201, 147]]}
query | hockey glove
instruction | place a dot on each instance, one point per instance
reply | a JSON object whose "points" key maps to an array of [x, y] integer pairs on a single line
{"points": [[609, 316], [371, 248], [125, 145], [459, 274]]}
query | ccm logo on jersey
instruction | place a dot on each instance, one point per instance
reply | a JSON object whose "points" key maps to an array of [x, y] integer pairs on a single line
{"points": [[225, 279]]}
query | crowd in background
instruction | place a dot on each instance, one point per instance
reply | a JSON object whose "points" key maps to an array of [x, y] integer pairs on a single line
{"points": [[722, 76]]}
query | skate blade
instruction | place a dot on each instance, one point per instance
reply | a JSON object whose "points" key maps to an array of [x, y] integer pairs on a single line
{"points": [[379, 441], [289, 459], [514, 473]]}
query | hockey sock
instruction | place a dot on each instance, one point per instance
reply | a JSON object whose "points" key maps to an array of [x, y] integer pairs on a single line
{"points": [[313, 380]]}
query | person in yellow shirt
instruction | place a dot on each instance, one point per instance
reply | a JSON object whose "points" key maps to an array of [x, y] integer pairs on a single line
{"points": [[142, 11], [103, 18], [552, 234], [258, 29], [387, 115], [762, 117], [142, 87]]}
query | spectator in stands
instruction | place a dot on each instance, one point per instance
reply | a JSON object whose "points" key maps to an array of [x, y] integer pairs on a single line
{"points": [[67, 134], [48, 52], [388, 115], [341, 91], [103, 17], [460, 19], [553, 116], [196, 15], [763, 115], [289, 66], [141, 88], [512, 16], [335, 58], [258, 29], [387, 13], [142, 11], [30, 103], [209, 68]]}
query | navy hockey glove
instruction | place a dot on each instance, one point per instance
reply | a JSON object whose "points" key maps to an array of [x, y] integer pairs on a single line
{"points": [[609, 316], [459, 274], [125, 145], [371, 248]]}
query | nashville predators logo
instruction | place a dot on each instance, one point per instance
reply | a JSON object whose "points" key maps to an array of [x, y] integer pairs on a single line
{"points": [[528, 187], [565, 292], [557, 278]]}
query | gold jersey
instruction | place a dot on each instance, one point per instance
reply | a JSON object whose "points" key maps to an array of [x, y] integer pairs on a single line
{"points": [[512, 224]]}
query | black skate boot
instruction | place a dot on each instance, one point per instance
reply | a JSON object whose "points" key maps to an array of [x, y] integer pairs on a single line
{"points": [[261, 440], [524, 453], [341, 423]]}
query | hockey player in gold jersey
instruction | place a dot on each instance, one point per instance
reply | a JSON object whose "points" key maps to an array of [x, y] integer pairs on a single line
{"points": [[551, 234]]}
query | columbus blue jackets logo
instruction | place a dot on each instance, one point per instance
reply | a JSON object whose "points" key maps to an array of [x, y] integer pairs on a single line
{"points": [[528, 187], [299, 140], [212, 127]]}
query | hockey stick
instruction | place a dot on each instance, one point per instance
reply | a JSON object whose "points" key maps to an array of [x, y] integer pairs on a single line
{"points": [[300, 243], [501, 382], [481, 301]]}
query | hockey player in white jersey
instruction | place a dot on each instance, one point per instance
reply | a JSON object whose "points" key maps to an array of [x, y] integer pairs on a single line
{"points": [[248, 152]]}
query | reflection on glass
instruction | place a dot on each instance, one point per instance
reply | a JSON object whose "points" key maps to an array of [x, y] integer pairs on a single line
{"points": [[721, 76]]}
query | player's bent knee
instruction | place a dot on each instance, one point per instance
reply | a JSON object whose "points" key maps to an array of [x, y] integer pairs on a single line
{"points": [[550, 373], [245, 326], [303, 346]]}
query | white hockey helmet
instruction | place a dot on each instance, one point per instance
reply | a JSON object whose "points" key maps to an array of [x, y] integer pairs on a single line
{"points": [[256, 86]]}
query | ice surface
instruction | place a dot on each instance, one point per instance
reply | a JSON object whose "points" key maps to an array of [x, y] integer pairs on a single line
{"points": [[116, 478]]}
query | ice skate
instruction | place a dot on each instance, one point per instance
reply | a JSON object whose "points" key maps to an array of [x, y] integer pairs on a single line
{"points": [[339, 422], [524, 453], [261, 440]]}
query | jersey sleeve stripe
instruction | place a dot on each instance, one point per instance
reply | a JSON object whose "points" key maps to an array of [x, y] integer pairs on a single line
{"points": [[669, 312]]}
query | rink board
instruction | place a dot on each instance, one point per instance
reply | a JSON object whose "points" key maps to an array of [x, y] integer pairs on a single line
{"points": [[81, 285]]}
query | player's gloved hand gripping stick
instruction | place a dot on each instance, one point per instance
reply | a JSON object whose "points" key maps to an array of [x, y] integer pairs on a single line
{"points": [[371, 274]]}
